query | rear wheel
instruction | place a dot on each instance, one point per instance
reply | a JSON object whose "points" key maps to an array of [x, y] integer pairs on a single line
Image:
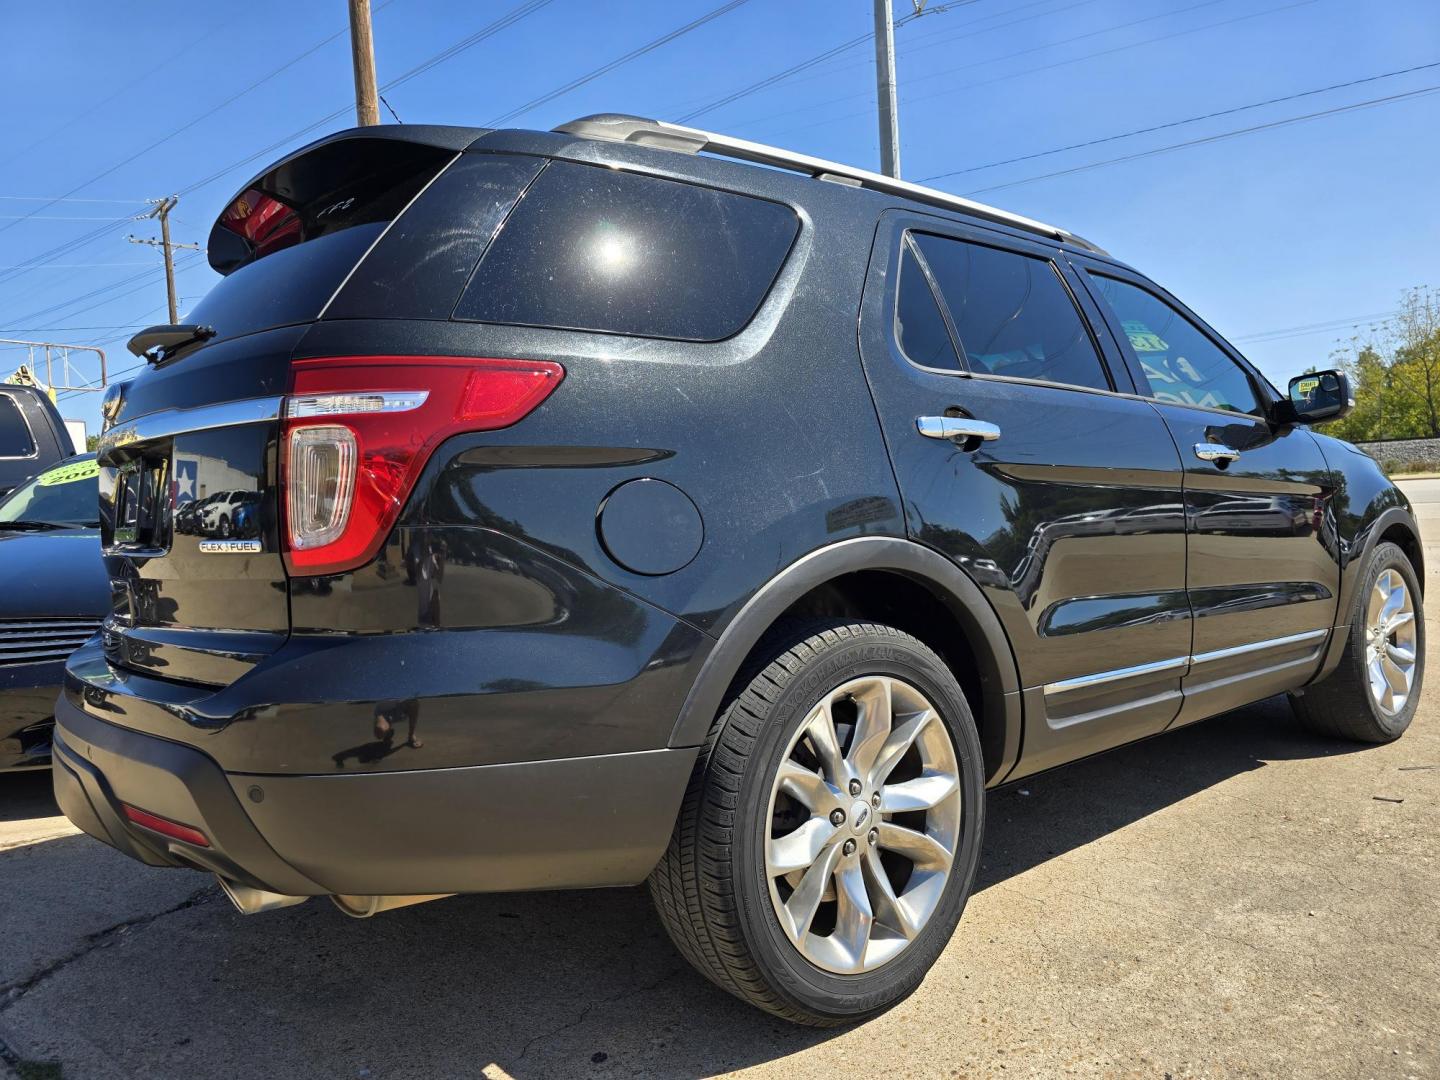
{"points": [[1373, 693], [829, 837]]}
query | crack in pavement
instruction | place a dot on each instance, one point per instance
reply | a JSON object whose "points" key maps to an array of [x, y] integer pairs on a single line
{"points": [[12, 992], [585, 1012]]}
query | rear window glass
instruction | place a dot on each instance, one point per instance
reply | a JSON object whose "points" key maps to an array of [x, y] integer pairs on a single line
{"points": [[595, 249], [290, 286], [15, 437], [418, 270], [287, 242]]}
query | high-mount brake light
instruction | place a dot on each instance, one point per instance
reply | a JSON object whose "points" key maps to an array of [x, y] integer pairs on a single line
{"points": [[263, 220], [359, 430]]}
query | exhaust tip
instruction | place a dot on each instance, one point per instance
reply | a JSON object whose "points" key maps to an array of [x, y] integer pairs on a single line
{"points": [[252, 901], [362, 907]]}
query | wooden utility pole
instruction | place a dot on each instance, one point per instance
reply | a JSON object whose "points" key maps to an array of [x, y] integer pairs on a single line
{"points": [[162, 213], [885, 87], [362, 54]]}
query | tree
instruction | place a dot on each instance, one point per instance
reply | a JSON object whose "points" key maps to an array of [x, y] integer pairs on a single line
{"points": [[1395, 374]]}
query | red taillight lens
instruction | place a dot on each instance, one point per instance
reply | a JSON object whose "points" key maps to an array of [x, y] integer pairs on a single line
{"points": [[359, 430], [164, 826]]}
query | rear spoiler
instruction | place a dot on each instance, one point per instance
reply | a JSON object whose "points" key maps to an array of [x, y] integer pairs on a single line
{"points": [[279, 178]]}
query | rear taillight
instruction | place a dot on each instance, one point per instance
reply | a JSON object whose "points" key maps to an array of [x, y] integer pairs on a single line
{"points": [[359, 430]]}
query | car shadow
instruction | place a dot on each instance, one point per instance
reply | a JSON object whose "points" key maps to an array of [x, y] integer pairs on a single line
{"points": [[25, 795], [531, 985]]}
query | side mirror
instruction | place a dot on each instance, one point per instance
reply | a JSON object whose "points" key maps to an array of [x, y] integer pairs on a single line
{"points": [[1320, 396]]}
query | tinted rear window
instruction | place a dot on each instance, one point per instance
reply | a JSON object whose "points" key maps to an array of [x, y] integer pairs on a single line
{"points": [[15, 437], [418, 270], [595, 249], [290, 286]]}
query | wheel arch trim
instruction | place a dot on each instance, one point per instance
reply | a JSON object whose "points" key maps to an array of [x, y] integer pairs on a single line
{"points": [[950, 583]]}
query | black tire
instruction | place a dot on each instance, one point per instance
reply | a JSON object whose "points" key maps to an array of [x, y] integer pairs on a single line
{"points": [[225, 526], [711, 889], [1341, 705]]}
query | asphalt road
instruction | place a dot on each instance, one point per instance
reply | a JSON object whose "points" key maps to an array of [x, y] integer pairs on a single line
{"points": [[1234, 899]]}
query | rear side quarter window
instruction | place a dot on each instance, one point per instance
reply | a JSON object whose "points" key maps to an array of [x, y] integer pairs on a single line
{"points": [[595, 249]]}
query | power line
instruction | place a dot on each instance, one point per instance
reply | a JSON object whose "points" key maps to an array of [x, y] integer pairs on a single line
{"points": [[203, 116], [1266, 336], [61, 198], [1180, 123], [64, 329], [1337, 110], [510, 18], [73, 266], [947, 91], [837, 50], [604, 69], [150, 71], [515, 15], [145, 277], [60, 250]]}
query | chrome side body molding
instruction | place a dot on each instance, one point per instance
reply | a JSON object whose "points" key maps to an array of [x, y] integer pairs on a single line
{"points": [[1181, 664]]}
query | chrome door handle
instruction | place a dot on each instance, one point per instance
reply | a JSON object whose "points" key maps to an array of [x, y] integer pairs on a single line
{"points": [[956, 427], [1209, 451]]}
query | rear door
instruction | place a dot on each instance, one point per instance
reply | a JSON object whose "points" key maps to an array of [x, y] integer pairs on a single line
{"points": [[1065, 505], [1263, 569]]}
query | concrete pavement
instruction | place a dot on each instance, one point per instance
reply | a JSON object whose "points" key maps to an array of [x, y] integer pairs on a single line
{"points": [[1234, 899]]}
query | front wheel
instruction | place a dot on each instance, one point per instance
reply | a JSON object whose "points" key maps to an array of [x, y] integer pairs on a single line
{"points": [[829, 838], [1372, 694]]}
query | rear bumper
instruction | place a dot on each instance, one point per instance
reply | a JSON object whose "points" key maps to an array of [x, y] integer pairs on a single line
{"points": [[563, 823]]}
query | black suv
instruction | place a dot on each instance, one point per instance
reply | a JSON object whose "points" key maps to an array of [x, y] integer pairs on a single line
{"points": [[624, 512]]}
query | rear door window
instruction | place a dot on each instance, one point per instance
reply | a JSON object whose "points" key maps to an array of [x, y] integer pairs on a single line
{"points": [[16, 441], [1013, 313], [589, 248]]}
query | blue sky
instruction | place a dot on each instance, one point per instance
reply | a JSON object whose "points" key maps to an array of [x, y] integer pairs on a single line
{"points": [[1317, 223]]}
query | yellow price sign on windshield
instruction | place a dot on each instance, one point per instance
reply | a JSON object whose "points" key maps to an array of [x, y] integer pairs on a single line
{"points": [[70, 474]]}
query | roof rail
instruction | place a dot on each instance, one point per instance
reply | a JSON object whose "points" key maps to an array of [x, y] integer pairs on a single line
{"points": [[620, 127]]}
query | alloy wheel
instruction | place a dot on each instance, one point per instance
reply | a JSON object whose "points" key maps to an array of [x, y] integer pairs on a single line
{"points": [[1390, 655], [864, 820]]}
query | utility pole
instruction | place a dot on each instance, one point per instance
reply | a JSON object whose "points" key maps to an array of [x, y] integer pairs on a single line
{"points": [[362, 54], [162, 213], [885, 87]]}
